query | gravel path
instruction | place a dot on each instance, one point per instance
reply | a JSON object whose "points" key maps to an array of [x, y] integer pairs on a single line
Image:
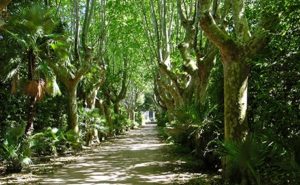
{"points": [[138, 157]]}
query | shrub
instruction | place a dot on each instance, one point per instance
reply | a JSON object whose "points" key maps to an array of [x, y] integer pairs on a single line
{"points": [[45, 143], [259, 160], [14, 149], [93, 126]]}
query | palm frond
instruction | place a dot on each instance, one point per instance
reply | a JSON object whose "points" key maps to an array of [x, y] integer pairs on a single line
{"points": [[11, 74]]}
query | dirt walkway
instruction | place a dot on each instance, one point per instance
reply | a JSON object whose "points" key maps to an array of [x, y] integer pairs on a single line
{"points": [[136, 158]]}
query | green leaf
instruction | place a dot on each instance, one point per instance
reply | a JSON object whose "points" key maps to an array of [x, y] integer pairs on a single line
{"points": [[52, 87]]}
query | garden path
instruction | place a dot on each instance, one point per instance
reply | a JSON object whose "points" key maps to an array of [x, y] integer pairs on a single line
{"points": [[139, 157]]}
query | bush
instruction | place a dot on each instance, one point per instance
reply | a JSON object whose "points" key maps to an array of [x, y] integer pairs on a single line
{"points": [[259, 160], [93, 126], [48, 115], [46, 142], [162, 119], [14, 148]]}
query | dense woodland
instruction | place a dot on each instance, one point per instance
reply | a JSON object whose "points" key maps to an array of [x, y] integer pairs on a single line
{"points": [[223, 77]]}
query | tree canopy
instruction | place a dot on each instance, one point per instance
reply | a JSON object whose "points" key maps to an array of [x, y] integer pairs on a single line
{"points": [[222, 77]]}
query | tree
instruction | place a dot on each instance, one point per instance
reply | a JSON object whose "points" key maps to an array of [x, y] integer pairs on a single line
{"points": [[31, 32], [237, 46], [70, 74], [183, 71]]}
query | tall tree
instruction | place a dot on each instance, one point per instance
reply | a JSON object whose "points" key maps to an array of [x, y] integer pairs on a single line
{"points": [[31, 32], [175, 86], [237, 45], [81, 61]]}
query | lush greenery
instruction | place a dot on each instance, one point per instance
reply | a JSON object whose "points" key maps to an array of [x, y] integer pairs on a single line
{"points": [[222, 76]]}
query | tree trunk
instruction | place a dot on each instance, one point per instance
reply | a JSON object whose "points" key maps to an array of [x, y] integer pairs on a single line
{"points": [[235, 105], [91, 99], [30, 115], [116, 108], [72, 109], [31, 99], [76, 30], [131, 114], [107, 114], [116, 120], [235, 99]]}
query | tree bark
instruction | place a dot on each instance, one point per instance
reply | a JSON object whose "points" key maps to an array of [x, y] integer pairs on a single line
{"points": [[131, 114], [89, 10], [76, 31], [107, 114], [235, 100], [116, 108], [235, 107], [30, 115], [32, 99], [236, 48], [72, 109]]}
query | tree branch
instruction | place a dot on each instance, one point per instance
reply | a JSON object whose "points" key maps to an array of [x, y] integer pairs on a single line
{"points": [[81, 72], [60, 73], [218, 36], [155, 25], [164, 69], [183, 19], [123, 91], [241, 23], [262, 36]]}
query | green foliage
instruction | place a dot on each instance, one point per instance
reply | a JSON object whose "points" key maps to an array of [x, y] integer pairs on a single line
{"points": [[122, 123], [48, 115], [189, 114], [118, 35], [139, 118], [244, 159], [90, 122], [162, 119], [29, 27], [273, 97], [72, 140], [14, 149], [194, 130], [12, 108], [45, 143], [258, 160]]}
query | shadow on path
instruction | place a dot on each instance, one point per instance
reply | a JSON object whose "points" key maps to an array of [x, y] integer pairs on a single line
{"points": [[136, 158]]}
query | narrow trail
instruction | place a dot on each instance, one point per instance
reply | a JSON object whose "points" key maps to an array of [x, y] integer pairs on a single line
{"points": [[138, 157]]}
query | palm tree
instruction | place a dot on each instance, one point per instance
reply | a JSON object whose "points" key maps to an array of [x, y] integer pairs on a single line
{"points": [[28, 32]]}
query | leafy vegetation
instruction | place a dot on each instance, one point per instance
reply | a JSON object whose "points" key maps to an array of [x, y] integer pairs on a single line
{"points": [[222, 77]]}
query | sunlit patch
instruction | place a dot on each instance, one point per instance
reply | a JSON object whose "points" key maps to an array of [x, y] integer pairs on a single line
{"points": [[146, 146], [138, 158], [243, 99]]}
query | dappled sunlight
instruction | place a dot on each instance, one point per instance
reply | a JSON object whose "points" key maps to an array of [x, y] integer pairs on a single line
{"points": [[145, 146], [138, 158]]}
